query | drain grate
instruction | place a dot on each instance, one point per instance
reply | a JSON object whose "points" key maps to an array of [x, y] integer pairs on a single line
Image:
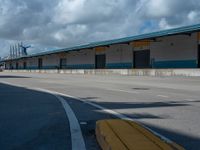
{"points": [[140, 88]]}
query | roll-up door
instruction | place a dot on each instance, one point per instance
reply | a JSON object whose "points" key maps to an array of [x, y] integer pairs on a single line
{"points": [[24, 65], [100, 61], [40, 64], [142, 59], [63, 63]]}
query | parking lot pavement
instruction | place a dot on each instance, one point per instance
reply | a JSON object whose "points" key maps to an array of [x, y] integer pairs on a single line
{"points": [[31, 120], [169, 106]]}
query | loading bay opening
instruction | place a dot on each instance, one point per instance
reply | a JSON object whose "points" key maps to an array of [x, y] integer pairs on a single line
{"points": [[141, 59], [63, 63], [40, 63], [100, 61]]}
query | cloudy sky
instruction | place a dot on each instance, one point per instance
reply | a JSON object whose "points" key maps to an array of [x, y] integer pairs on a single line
{"points": [[52, 24]]}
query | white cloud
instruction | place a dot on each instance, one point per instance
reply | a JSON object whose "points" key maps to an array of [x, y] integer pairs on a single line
{"points": [[194, 16], [163, 24], [157, 8], [68, 11], [52, 24]]}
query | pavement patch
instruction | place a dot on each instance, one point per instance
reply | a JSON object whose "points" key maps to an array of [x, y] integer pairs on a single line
{"points": [[117, 134]]}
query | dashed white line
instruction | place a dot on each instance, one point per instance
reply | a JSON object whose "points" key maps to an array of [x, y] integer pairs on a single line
{"points": [[164, 96], [190, 100], [119, 90], [83, 123]]}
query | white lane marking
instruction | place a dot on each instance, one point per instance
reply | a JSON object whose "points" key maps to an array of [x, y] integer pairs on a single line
{"points": [[75, 130], [119, 90], [190, 100], [83, 123], [76, 134], [164, 96], [118, 115]]}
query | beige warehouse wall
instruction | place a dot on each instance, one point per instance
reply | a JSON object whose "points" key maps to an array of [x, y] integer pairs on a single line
{"points": [[21, 64], [179, 51], [32, 63], [119, 56], [81, 59], [51, 61], [119, 53], [179, 47]]}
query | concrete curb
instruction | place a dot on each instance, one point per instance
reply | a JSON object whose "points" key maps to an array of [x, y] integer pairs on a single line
{"points": [[127, 72], [127, 135]]}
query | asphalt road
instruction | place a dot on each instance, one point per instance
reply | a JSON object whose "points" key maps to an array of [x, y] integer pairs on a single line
{"points": [[36, 120]]}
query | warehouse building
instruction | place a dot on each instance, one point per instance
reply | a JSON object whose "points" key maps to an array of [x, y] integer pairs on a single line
{"points": [[174, 48]]}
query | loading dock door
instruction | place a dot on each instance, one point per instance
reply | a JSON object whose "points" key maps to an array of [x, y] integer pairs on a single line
{"points": [[40, 63], [24, 65], [17, 65], [11, 66], [199, 56], [142, 59], [63, 63], [100, 61]]}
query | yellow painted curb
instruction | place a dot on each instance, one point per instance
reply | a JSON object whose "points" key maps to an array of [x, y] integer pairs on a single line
{"points": [[128, 135]]}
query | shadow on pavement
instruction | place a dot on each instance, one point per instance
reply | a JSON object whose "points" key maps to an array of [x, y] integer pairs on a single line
{"points": [[31, 120], [138, 105], [187, 141], [37, 119], [141, 88], [13, 77]]}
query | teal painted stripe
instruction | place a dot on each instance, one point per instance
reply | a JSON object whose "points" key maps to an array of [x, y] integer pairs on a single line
{"points": [[44, 67], [119, 65], [21, 68], [175, 64], [77, 66], [81, 66], [50, 67], [32, 67]]}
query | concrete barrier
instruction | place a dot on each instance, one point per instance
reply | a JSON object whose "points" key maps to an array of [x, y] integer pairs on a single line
{"points": [[128, 135], [128, 72]]}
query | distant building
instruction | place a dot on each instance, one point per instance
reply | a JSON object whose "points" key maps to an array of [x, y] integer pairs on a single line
{"points": [[174, 48]]}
